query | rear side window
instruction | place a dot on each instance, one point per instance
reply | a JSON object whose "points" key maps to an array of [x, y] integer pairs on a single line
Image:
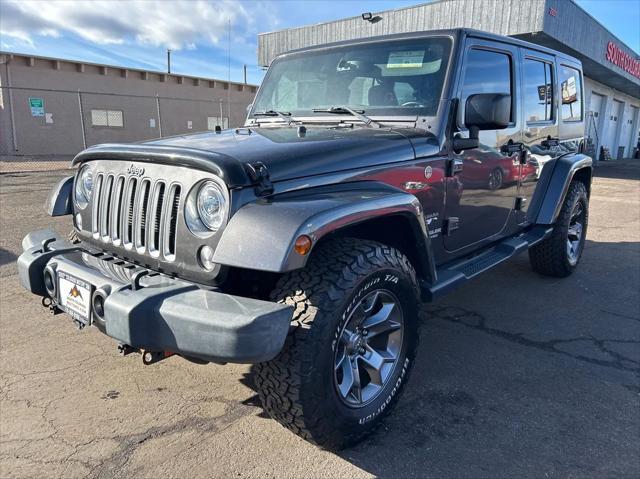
{"points": [[571, 94], [487, 72], [538, 91]]}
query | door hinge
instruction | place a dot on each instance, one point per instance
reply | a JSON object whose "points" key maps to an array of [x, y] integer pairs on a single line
{"points": [[450, 225], [521, 201], [454, 166], [260, 178]]}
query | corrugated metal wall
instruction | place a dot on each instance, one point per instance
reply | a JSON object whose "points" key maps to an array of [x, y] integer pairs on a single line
{"points": [[506, 17]]}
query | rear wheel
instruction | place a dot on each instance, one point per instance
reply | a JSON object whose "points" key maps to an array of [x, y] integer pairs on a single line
{"points": [[496, 179], [559, 254], [353, 341]]}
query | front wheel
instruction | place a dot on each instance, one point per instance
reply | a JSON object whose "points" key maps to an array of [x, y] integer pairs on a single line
{"points": [[559, 254], [354, 337]]}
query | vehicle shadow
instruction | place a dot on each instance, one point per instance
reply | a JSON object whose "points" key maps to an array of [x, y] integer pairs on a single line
{"points": [[522, 375], [7, 257]]}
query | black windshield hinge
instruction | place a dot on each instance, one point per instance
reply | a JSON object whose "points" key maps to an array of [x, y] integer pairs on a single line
{"points": [[260, 177]]}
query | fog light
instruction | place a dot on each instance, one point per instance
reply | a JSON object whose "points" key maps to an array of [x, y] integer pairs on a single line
{"points": [[50, 282], [302, 245], [79, 221], [206, 258], [98, 305]]}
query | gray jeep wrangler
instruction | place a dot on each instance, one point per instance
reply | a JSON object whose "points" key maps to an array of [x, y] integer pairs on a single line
{"points": [[370, 176]]}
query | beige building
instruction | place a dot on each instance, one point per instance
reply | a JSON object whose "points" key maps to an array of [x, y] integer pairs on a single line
{"points": [[50, 106]]}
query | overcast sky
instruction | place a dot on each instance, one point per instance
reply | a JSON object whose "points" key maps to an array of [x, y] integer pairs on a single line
{"points": [[137, 33]]}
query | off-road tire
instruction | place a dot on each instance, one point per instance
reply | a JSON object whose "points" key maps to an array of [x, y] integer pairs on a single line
{"points": [[297, 387], [550, 257]]}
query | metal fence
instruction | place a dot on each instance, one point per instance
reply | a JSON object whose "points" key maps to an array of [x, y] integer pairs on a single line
{"points": [[46, 125]]}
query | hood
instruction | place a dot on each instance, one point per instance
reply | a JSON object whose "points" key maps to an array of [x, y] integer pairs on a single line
{"points": [[288, 154]]}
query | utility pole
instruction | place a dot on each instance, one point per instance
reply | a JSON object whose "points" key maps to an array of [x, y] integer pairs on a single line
{"points": [[229, 76], [245, 74], [168, 61]]}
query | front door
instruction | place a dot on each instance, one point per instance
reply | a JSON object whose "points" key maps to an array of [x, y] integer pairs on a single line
{"points": [[481, 194]]}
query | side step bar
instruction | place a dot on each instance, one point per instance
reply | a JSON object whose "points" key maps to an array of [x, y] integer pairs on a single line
{"points": [[454, 274]]}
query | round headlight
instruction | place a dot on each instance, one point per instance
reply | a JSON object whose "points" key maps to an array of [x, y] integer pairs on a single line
{"points": [[84, 186], [211, 205]]}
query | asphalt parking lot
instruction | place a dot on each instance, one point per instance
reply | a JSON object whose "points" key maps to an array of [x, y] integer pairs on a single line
{"points": [[517, 376]]}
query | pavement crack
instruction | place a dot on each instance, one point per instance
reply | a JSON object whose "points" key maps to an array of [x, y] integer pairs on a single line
{"points": [[473, 320], [114, 465]]}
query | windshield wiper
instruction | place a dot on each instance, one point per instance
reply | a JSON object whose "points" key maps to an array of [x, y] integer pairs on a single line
{"points": [[345, 109], [282, 114]]}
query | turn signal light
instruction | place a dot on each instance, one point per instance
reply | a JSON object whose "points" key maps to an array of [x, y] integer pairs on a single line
{"points": [[302, 245]]}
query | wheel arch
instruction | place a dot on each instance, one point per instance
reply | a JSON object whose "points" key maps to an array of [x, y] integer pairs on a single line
{"points": [[261, 235], [398, 231], [554, 184]]}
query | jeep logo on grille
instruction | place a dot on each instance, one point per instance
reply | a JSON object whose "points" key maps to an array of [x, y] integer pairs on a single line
{"points": [[135, 170]]}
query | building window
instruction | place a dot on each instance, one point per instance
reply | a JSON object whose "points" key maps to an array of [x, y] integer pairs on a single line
{"points": [[109, 118], [571, 89], [487, 72], [213, 121], [538, 91]]}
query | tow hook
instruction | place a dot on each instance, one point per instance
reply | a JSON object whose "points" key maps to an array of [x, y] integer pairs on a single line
{"points": [[51, 306], [151, 357]]}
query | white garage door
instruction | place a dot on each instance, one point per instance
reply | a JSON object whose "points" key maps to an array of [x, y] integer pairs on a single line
{"points": [[611, 129], [594, 128], [626, 138]]}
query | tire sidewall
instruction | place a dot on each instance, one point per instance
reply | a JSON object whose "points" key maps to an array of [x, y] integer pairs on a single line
{"points": [[352, 420], [579, 195]]}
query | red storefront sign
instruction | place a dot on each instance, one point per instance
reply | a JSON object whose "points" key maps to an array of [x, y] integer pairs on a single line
{"points": [[623, 60]]}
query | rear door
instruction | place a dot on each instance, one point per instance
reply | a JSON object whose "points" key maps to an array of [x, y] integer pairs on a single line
{"points": [[481, 195], [540, 133]]}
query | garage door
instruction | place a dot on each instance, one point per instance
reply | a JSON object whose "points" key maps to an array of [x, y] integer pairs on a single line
{"points": [[626, 138], [594, 130], [611, 129]]}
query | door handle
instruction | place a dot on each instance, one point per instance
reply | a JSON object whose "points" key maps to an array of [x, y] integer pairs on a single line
{"points": [[455, 166]]}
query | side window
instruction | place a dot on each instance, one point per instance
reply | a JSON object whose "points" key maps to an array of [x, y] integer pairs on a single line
{"points": [[571, 90], [487, 72], [538, 91]]}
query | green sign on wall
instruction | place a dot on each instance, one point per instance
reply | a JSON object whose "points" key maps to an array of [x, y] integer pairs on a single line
{"points": [[37, 106]]}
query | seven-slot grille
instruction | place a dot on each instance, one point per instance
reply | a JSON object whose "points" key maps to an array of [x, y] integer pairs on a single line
{"points": [[136, 213]]}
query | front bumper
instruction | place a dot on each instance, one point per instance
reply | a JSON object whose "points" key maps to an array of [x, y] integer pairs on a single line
{"points": [[157, 313]]}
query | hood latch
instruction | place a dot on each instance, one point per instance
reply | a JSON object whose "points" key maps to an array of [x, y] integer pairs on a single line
{"points": [[260, 177]]}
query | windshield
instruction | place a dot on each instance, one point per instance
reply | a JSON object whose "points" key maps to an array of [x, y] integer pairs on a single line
{"points": [[393, 78]]}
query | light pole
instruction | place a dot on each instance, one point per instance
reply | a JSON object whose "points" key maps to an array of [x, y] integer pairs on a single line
{"points": [[168, 61]]}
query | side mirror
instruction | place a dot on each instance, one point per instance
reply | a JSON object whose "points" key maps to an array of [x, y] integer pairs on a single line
{"points": [[484, 111]]}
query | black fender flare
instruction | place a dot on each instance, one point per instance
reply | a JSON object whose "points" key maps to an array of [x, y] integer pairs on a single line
{"points": [[60, 199], [553, 186], [261, 234]]}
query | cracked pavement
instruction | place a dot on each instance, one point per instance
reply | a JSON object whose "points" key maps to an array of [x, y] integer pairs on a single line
{"points": [[517, 376]]}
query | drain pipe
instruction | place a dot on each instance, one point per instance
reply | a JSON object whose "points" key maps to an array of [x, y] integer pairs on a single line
{"points": [[14, 137]]}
